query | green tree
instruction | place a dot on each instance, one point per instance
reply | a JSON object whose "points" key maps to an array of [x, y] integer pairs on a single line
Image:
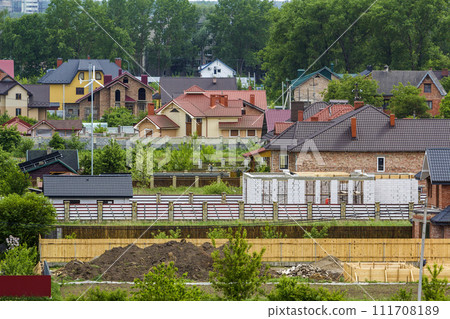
{"points": [[74, 143], [12, 180], [111, 159], [238, 275], [9, 138], [446, 83], [57, 142], [163, 284], [24, 145], [435, 289], [26, 217], [344, 89], [181, 158], [407, 101], [444, 108], [118, 117], [4, 118], [19, 261], [289, 289]]}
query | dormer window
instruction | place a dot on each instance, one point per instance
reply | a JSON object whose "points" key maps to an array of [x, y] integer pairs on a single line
{"points": [[125, 80], [81, 76], [174, 110], [98, 76], [427, 88]]}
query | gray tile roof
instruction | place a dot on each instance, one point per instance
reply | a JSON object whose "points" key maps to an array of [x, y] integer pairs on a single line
{"points": [[374, 133], [387, 80], [88, 186], [40, 97], [438, 164], [69, 157], [443, 218], [172, 87], [314, 109], [67, 71]]}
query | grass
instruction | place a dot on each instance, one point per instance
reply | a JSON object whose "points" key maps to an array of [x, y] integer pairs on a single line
{"points": [[181, 190]]}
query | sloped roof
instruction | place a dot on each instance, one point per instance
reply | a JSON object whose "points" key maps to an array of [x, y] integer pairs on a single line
{"points": [[443, 218], [272, 116], [172, 87], [61, 125], [17, 120], [280, 127], [194, 89], [40, 96], [245, 122], [7, 66], [325, 72], [69, 157], [43, 161], [67, 71], [437, 165], [314, 108], [216, 60], [331, 112], [160, 121], [99, 186]]}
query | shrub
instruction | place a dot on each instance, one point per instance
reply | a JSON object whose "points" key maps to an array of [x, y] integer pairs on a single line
{"points": [[57, 142], [270, 231], [22, 148], [288, 289], [402, 295], [101, 295], [314, 233], [100, 129], [163, 284], [435, 289], [19, 261], [238, 275], [216, 233], [216, 188], [74, 143], [173, 234], [9, 138]]}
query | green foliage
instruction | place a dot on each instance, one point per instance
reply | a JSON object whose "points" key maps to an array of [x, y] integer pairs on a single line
{"points": [[270, 231], [206, 153], [181, 158], [110, 159], [163, 284], [24, 145], [217, 188], [101, 295], [289, 289], [407, 101], [402, 295], [314, 233], [446, 83], [4, 117], [435, 289], [444, 108], [9, 138], [19, 261], [344, 89], [118, 116], [74, 143], [29, 120], [238, 275], [26, 217], [57, 142], [53, 116], [173, 234], [217, 233], [71, 236], [100, 129], [12, 180]]}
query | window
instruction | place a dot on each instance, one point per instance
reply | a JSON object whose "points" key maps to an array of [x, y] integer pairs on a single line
{"points": [[79, 91], [81, 76], [125, 80], [174, 110], [18, 96], [188, 119], [18, 112], [117, 93], [243, 111], [218, 70], [430, 104], [141, 94], [70, 111], [380, 164], [98, 76], [427, 88], [234, 132], [199, 121], [284, 161], [251, 132]]}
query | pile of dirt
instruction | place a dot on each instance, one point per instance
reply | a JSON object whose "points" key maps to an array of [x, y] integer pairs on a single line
{"points": [[329, 263], [136, 262], [328, 268]]}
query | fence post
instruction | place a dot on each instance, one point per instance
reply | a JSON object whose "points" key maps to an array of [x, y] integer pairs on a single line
{"points": [[205, 211], [241, 210], [66, 211], [197, 182], [99, 211], [241, 181], [191, 198], [224, 198], [152, 181], [218, 179], [170, 211], [174, 181], [275, 211], [309, 214], [134, 211], [158, 198], [377, 210], [343, 209], [410, 209]]}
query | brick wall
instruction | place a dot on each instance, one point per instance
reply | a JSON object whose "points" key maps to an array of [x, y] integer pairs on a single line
{"points": [[439, 195], [311, 90], [434, 96]]}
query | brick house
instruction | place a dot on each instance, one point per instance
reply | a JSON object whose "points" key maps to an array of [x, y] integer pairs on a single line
{"points": [[426, 81], [124, 90], [364, 139], [48, 164]]}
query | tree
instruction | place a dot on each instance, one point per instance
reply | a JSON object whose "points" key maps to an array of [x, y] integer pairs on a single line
{"points": [[74, 143], [446, 84], [12, 180], [57, 142], [26, 217], [344, 89], [118, 117], [19, 261], [111, 159], [163, 284], [238, 275], [407, 101], [435, 289], [9, 138], [444, 108]]}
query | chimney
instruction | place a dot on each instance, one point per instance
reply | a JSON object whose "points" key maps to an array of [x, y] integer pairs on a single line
{"points": [[392, 120], [295, 107], [300, 72], [444, 72], [144, 78], [119, 62], [386, 68], [212, 100], [108, 79], [120, 72], [88, 57], [252, 99], [314, 119], [353, 126], [223, 99], [151, 109], [358, 104], [59, 61], [214, 80], [332, 67], [300, 115]]}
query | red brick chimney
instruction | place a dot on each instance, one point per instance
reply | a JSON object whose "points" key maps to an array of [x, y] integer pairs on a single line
{"points": [[223, 100], [119, 62], [358, 104], [108, 79], [252, 99], [392, 120], [314, 119], [151, 109], [300, 116], [353, 126], [212, 100], [444, 72], [120, 72], [59, 61], [144, 78]]}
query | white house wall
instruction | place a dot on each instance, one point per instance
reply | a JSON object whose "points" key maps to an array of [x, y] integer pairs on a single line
{"points": [[369, 192], [394, 191]]}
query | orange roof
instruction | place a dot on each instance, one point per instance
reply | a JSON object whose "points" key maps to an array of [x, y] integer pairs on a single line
{"points": [[194, 89], [280, 127], [331, 112], [160, 121]]}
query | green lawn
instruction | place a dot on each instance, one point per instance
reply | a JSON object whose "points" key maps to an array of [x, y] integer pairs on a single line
{"points": [[185, 190]]}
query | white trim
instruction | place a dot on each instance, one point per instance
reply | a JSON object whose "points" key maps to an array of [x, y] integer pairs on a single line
{"points": [[169, 103], [279, 164], [384, 164], [246, 132], [229, 133]]}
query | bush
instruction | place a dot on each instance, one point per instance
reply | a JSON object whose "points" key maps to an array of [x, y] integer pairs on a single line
{"points": [[22, 148], [100, 129], [74, 143], [9, 138], [402, 295], [173, 234], [216, 188], [270, 231], [101, 295], [163, 284], [314, 233], [19, 261], [435, 289], [57, 142], [216, 233], [288, 289], [238, 275]]}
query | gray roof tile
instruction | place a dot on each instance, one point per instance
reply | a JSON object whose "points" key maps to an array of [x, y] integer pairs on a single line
{"points": [[443, 218], [438, 164]]}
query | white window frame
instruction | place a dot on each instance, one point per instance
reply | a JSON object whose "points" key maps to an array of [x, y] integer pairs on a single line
{"points": [[251, 135], [287, 161], [384, 164], [430, 104], [239, 133]]}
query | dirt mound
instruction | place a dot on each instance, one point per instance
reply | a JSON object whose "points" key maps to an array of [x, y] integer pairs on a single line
{"points": [[328, 268], [137, 262], [329, 263]]}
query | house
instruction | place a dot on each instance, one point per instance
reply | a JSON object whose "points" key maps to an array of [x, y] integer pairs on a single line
{"points": [[271, 116], [156, 125], [39, 101], [89, 189], [125, 90], [69, 157], [309, 87], [426, 81], [48, 164], [364, 139], [441, 224], [47, 128], [20, 125], [216, 69], [8, 68], [173, 87], [440, 74], [224, 113], [64, 81]]}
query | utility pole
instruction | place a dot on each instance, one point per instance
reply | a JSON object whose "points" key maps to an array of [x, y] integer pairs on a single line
{"points": [[422, 249]]}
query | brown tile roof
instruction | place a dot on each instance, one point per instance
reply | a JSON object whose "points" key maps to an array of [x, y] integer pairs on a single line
{"points": [[162, 121], [61, 125], [280, 127], [247, 121], [194, 89], [331, 112]]}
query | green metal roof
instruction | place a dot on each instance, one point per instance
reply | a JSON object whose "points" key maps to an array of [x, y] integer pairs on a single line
{"points": [[325, 72]]}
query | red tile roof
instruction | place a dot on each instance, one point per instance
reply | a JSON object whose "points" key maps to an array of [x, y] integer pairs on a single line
{"points": [[331, 112], [280, 127], [129, 99], [194, 89], [248, 121], [160, 121]]}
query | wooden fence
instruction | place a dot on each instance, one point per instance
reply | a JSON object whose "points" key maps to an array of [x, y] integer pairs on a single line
{"points": [[277, 250]]}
